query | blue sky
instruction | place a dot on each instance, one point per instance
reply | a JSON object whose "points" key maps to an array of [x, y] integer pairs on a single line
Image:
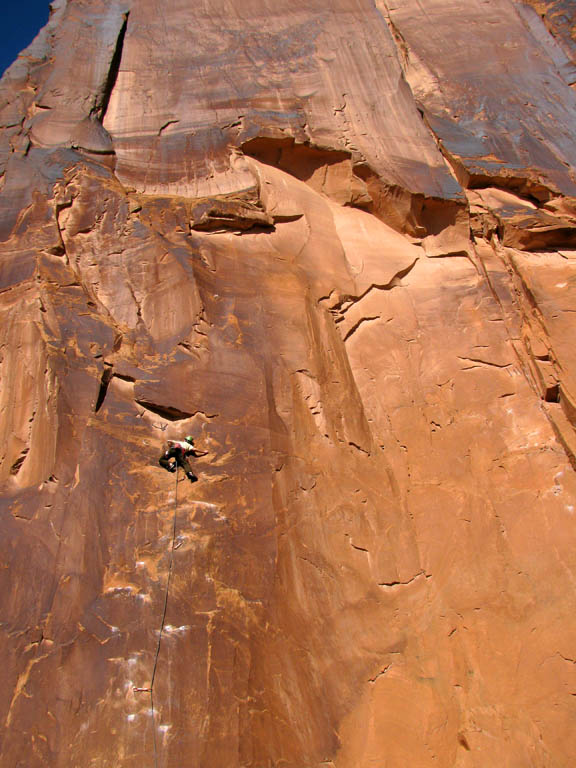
{"points": [[20, 23]]}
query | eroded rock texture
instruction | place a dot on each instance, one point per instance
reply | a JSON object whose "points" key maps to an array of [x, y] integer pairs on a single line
{"points": [[335, 241]]}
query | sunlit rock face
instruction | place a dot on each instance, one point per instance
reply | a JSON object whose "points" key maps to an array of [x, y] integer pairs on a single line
{"points": [[335, 242]]}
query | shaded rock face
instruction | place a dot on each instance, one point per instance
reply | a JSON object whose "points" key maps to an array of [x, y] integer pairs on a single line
{"points": [[335, 242]]}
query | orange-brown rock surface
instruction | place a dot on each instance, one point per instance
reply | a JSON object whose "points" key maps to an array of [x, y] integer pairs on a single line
{"points": [[335, 242]]}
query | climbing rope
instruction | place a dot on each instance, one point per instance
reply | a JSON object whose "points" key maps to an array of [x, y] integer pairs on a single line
{"points": [[152, 709]]}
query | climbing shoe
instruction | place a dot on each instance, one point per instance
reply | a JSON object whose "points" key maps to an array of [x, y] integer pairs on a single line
{"points": [[191, 477]]}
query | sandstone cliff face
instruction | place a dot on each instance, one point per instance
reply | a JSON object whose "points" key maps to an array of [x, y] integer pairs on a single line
{"points": [[335, 241]]}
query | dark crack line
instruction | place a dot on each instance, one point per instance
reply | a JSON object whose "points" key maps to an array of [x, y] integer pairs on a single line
{"points": [[107, 375], [483, 362], [167, 412], [394, 282], [113, 71], [357, 325], [392, 584], [382, 672], [165, 125]]}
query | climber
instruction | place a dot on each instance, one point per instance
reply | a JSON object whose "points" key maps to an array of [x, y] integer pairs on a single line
{"points": [[176, 455]]}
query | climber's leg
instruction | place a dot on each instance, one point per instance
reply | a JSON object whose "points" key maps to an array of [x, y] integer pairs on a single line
{"points": [[187, 467], [167, 461]]}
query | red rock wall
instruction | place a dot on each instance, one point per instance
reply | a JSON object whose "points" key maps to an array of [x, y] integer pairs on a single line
{"points": [[334, 242]]}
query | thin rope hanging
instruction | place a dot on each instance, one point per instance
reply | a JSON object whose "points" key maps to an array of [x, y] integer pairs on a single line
{"points": [[160, 634]]}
